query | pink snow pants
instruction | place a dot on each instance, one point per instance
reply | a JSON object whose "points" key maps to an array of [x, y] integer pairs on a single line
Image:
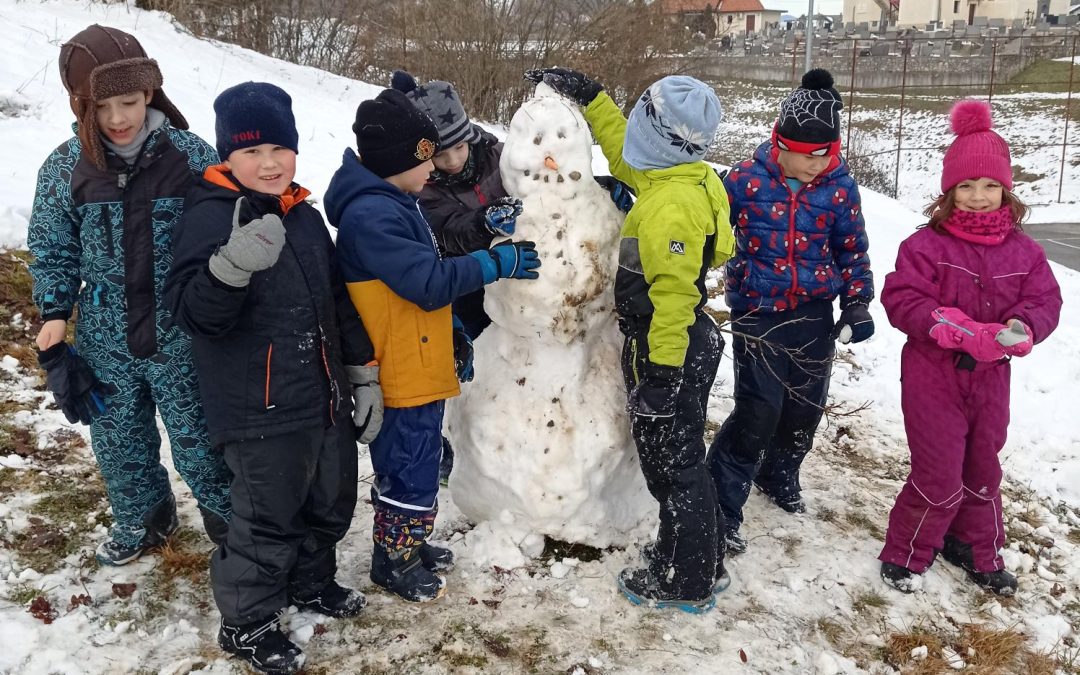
{"points": [[956, 422]]}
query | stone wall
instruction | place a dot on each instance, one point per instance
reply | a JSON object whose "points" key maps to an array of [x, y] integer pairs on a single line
{"points": [[886, 71]]}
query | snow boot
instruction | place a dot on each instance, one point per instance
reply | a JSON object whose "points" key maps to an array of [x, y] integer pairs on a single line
{"points": [[791, 502], [436, 558], [263, 645], [1000, 582], [405, 575], [900, 578], [158, 525], [334, 600], [640, 588], [734, 543], [721, 578]]}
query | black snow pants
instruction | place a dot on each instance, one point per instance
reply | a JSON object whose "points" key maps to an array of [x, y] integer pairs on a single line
{"points": [[672, 454], [293, 497], [783, 361]]}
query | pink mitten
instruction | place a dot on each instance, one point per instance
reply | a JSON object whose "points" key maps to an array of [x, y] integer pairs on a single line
{"points": [[956, 330], [1017, 339]]}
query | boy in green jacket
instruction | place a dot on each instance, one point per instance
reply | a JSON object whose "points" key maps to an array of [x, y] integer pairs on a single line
{"points": [[677, 229]]}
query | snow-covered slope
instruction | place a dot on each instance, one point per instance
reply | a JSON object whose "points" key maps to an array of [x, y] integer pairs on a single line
{"points": [[805, 597]]}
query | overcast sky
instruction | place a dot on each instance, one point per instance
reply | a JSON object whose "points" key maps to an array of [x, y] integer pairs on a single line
{"points": [[799, 7]]}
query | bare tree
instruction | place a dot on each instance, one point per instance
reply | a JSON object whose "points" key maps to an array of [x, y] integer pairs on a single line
{"points": [[482, 46]]}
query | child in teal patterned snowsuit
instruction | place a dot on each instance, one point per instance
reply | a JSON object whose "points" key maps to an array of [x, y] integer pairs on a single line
{"points": [[100, 232]]}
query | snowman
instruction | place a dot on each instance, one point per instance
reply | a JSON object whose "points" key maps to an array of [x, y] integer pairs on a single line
{"points": [[544, 444]]}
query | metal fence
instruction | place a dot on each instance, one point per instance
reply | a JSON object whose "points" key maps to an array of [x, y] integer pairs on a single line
{"points": [[898, 69]]}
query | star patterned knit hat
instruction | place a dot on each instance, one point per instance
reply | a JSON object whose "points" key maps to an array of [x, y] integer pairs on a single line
{"points": [[672, 123], [809, 121], [439, 101]]}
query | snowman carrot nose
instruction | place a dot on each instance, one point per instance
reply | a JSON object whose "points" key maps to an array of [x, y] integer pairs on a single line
{"points": [[551, 164]]}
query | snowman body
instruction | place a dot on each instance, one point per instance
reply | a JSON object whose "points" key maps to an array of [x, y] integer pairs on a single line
{"points": [[542, 440]]}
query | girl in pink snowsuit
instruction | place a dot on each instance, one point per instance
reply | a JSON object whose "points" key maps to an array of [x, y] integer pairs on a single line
{"points": [[970, 290]]}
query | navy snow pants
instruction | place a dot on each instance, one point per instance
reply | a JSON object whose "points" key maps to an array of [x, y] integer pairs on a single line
{"points": [[783, 361]]}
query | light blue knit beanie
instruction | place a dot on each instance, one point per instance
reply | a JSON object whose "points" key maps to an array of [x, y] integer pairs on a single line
{"points": [[672, 123]]}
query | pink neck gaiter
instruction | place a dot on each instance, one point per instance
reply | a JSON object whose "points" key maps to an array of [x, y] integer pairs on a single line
{"points": [[988, 228]]}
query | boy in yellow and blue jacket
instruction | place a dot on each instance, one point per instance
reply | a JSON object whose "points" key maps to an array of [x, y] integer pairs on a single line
{"points": [[403, 288], [677, 229]]}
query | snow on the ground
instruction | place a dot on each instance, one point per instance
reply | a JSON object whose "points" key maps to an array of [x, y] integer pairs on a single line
{"points": [[1055, 213], [805, 597]]}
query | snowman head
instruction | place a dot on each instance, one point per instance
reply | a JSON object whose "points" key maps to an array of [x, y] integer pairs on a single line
{"points": [[548, 150]]}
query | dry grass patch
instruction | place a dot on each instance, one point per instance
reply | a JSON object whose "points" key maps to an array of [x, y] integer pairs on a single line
{"points": [[867, 600], [863, 521], [985, 651], [832, 631], [186, 555], [15, 300], [899, 648]]}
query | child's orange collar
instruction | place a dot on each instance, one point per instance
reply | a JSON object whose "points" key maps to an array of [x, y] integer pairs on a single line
{"points": [[219, 175]]}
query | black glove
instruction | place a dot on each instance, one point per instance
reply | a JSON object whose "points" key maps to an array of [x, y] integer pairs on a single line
{"points": [[657, 392], [570, 83], [620, 192], [463, 352], [854, 324], [78, 393]]}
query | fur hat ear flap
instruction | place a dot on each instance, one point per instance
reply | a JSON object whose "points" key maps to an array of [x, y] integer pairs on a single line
{"points": [[89, 137]]}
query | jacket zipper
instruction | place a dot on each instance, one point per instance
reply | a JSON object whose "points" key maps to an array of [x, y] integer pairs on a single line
{"points": [[329, 377], [791, 242], [106, 216], [266, 396]]}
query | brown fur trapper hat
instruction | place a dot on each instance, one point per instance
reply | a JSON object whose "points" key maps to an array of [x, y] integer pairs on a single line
{"points": [[101, 62]]}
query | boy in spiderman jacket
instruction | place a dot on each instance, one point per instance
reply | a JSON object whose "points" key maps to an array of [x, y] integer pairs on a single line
{"points": [[800, 243]]}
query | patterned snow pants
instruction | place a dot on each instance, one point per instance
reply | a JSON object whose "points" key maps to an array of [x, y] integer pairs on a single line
{"points": [[125, 437]]}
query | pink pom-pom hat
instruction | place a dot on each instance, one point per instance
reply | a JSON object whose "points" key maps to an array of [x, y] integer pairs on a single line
{"points": [[977, 152]]}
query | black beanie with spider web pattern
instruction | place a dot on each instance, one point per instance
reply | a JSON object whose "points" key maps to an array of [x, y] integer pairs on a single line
{"points": [[811, 113]]}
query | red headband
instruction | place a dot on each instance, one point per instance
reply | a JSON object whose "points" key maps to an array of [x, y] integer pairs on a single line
{"points": [[831, 149]]}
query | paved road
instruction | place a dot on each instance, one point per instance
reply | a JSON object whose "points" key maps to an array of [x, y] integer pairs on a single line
{"points": [[1061, 241]]}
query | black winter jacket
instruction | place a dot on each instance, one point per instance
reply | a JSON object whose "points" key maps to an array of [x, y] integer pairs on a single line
{"points": [[453, 211], [271, 355]]}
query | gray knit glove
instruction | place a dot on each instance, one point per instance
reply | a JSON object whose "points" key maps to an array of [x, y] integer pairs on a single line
{"points": [[252, 247], [367, 401]]}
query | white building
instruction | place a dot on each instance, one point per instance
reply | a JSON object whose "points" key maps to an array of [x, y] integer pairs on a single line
{"points": [[919, 13]]}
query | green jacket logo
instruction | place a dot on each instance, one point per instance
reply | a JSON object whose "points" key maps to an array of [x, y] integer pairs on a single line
{"points": [[677, 247]]}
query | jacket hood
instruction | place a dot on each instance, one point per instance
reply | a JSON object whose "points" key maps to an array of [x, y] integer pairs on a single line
{"points": [[765, 155], [353, 179], [696, 173]]}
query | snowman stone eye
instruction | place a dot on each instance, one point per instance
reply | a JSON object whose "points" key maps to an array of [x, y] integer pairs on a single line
{"points": [[561, 133], [526, 172], [575, 175], [537, 139]]}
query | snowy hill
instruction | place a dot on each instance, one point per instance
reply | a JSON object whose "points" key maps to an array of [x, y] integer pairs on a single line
{"points": [[805, 597]]}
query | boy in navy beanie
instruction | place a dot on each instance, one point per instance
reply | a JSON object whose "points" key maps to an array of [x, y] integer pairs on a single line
{"points": [[801, 244], [278, 348], [676, 230], [403, 287]]}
